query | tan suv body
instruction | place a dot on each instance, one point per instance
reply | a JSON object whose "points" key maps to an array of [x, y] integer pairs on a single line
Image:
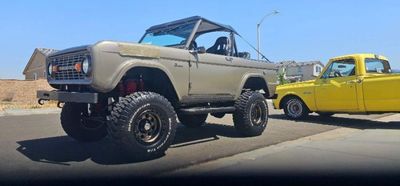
{"points": [[100, 82]]}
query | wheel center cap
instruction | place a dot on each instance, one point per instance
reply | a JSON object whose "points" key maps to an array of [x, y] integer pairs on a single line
{"points": [[147, 126]]}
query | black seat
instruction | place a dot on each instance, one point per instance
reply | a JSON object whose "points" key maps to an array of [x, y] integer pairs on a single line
{"points": [[220, 47], [193, 45]]}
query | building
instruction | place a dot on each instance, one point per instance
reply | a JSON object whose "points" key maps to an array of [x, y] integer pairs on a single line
{"points": [[395, 71], [36, 67], [300, 71]]}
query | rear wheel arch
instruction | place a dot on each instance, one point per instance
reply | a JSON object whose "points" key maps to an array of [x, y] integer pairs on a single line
{"points": [[255, 83]]}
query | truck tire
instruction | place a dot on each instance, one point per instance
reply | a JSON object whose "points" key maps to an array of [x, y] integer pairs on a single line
{"points": [[193, 121], [251, 115], [143, 123], [76, 126], [295, 109]]}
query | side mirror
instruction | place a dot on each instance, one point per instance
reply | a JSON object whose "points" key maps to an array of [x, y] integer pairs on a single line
{"points": [[201, 50], [198, 50]]}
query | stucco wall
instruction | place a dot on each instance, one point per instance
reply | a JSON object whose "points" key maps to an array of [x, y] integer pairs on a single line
{"points": [[37, 66], [21, 91]]}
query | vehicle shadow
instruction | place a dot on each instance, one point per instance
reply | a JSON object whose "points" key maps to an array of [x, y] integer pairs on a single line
{"points": [[355, 123], [62, 150]]}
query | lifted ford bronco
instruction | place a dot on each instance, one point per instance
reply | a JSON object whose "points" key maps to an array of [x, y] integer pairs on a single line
{"points": [[134, 92]]}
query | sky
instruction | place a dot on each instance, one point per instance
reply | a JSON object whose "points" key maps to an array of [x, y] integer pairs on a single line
{"points": [[303, 30]]}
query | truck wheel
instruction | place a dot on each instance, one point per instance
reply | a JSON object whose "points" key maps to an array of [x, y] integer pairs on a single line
{"points": [[295, 108], [251, 115], [325, 114], [193, 121], [143, 123], [75, 123]]}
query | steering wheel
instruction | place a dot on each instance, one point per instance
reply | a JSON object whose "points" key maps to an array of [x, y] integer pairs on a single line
{"points": [[337, 74]]}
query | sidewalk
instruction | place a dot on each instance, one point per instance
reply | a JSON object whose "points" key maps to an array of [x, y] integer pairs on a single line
{"points": [[22, 112], [343, 151]]}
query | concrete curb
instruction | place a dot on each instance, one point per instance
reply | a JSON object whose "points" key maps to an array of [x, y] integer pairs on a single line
{"points": [[24, 112], [391, 118]]}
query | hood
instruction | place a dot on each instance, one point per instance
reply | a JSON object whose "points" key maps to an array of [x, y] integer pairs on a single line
{"points": [[71, 50], [297, 84]]}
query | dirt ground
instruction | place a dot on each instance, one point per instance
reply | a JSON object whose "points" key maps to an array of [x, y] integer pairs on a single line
{"points": [[21, 94]]}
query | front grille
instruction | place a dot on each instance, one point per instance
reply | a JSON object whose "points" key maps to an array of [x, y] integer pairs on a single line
{"points": [[66, 66]]}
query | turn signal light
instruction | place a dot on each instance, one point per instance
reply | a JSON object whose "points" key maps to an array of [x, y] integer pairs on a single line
{"points": [[78, 67], [54, 69]]}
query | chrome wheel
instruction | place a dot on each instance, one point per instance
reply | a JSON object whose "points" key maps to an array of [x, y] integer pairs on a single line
{"points": [[295, 108]]}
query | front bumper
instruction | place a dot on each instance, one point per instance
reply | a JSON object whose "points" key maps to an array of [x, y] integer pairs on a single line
{"points": [[275, 101], [63, 96]]}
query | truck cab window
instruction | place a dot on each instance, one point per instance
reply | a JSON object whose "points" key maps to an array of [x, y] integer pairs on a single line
{"points": [[377, 66], [342, 68]]}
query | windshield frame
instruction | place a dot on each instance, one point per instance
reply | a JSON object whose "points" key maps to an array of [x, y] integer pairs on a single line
{"points": [[171, 27]]}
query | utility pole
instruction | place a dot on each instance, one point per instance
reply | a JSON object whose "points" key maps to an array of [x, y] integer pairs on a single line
{"points": [[258, 31]]}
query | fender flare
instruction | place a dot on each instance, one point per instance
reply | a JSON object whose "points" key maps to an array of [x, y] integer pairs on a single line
{"points": [[245, 78]]}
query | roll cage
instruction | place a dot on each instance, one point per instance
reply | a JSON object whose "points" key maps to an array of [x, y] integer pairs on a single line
{"points": [[201, 26]]}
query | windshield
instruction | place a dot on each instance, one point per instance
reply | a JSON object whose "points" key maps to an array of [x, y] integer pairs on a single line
{"points": [[169, 36], [341, 68], [380, 66]]}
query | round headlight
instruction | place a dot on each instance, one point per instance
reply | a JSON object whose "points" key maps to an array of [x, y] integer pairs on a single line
{"points": [[50, 69], [85, 65]]}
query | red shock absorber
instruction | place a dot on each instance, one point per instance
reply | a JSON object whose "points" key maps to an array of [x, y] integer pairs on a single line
{"points": [[131, 86]]}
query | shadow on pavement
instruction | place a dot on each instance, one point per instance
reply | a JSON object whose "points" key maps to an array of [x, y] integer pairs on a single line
{"points": [[63, 149], [345, 122]]}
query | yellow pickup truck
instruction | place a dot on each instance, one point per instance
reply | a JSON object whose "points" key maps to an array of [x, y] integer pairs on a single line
{"points": [[355, 84]]}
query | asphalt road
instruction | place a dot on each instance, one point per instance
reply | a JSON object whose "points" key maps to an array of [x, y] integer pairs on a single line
{"points": [[36, 148]]}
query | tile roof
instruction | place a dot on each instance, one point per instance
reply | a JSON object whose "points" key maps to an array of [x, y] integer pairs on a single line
{"points": [[46, 51]]}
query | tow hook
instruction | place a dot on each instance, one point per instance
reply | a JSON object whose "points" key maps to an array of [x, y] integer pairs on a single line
{"points": [[42, 101], [60, 104]]}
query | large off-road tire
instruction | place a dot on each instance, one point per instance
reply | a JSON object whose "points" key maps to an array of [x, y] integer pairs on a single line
{"points": [[144, 124], [294, 108], [251, 115], [75, 124], [193, 121]]}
